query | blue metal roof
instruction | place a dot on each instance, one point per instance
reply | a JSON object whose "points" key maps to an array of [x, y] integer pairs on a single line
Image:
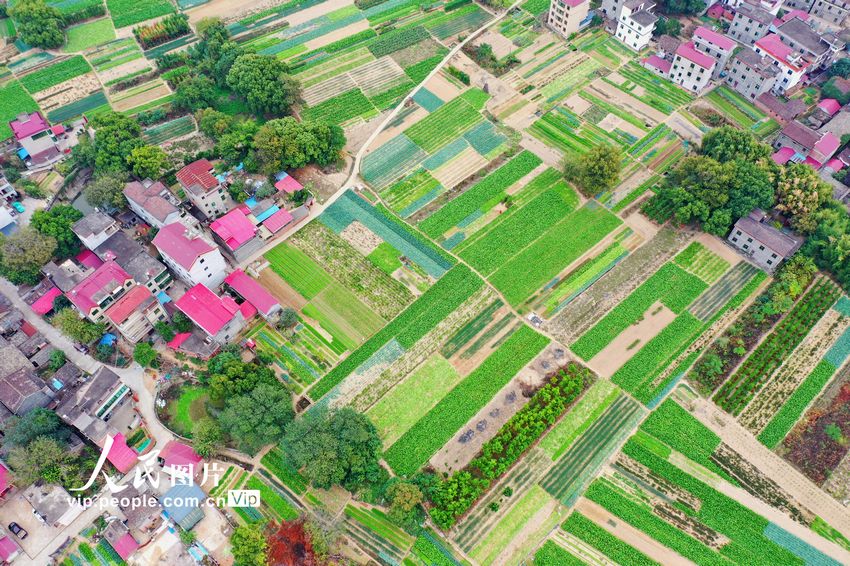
{"points": [[268, 212], [182, 503]]}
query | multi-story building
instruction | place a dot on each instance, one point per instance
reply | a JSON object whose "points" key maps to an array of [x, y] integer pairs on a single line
{"points": [[792, 66], [95, 228], [565, 16], [221, 318], [765, 245], [751, 74], [636, 23], [798, 142], [236, 235], [39, 143], [135, 260], [7, 190], [750, 24], [99, 290], [135, 314], [716, 45], [154, 203], [691, 69], [818, 49], [834, 12], [190, 256], [203, 188]]}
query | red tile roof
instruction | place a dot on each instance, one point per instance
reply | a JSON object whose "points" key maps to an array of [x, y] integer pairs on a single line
{"points": [[288, 185], [197, 174], [105, 279], [44, 304], [177, 454], [58, 129], [830, 106], [234, 228], [717, 39], [835, 164], [89, 259], [120, 455], [782, 156], [33, 124], [28, 329], [687, 51], [825, 147], [129, 303], [278, 220], [206, 309], [174, 241], [662, 65], [773, 46], [178, 340], [125, 546], [4, 479], [250, 290], [8, 548]]}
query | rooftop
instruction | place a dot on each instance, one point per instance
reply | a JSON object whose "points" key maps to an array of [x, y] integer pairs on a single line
{"points": [[26, 125], [44, 304], [135, 299], [644, 18], [16, 387], [830, 106], [250, 290], [92, 223], [105, 281], [183, 505], [764, 65], [717, 39], [772, 44], [152, 197], [120, 455], [180, 456], [799, 32], [785, 110], [776, 240], [687, 51], [206, 309], [11, 359], [802, 134], [756, 13], [197, 177], [657, 62], [234, 228], [80, 402], [181, 244], [278, 220], [51, 502]]}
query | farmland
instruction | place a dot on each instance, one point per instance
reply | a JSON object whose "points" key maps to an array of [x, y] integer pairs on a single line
{"points": [[13, 100], [90, 34], [128, 12], [56, 73]]}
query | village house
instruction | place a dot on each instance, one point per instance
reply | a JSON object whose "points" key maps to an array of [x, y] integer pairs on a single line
{"points": [[136, 313], [763, 244], [22, 390], [95, 228], [691, 69], [141, 510], [750, 24], [219, 317], [39, 144], [566, 16], [818, 49], [251, 291], [154, 203], [99, 290], [799, 143], [190, 255], [9, 549], [203, 188], [636, 23], [751, 74], [823, 113], [119, 538], [236, 235], [52, 504], [715, 45], [783, 111], [133, 258], [792, 66]]}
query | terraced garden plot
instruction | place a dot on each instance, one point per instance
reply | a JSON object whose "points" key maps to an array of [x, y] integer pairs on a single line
{"points": [[13, 100], [379, 76], [422, 440], [742, 386], [423, 253], [563, 130], [555, 250], [586, 530], [140, 96], [275, 462], [569, 476], [88, 105], [738, 109], [393, 160], [709, 303], [443, 125], [428, 550], [340, 311], [339, 64], [160, 133], [511, 524], [520, 228], [328, 89], [410, 400], [482, 194], [702, 262], [486, 139], [83, 36], [376, 534], [658, 93], [128, 12], [113, 54], [298, 270], [565, 78], [671, 285], [408, 327], [273, 501], [342, 108], [380, 292], [56, 73], [457, 21], [587, 410], [678, 429]]}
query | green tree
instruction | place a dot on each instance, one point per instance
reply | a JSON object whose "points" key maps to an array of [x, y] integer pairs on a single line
{"points": [[667, 26], [263, 81], [207, 437], [57, 222], [106, 191], [144, 354], [181, 322], [214, 123], [194, 93], [148, 161], [46, 459], [20, 431], [257, 418], [79, 329], [188, 537], [289, 144], [682, 6], [840, 68], [288, 318], [115, 138], [830, 90], [24, 253], [249, 545], [596, 170], [229, 377], [800, 193], [38, 24], [163, 329], [405, 499], [729, 143], [335, 448], [57, 359]]}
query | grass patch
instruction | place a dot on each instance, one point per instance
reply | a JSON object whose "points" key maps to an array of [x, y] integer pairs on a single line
{"points": [[89, 34]]}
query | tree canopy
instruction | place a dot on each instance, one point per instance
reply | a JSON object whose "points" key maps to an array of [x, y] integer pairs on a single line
{"points": [[20, 431], [335, 448], [263, 81], [38, 24], [194, 93], [105, 191], [229, 377], [728, 143], [288, 144], [24, 253], [596, 170], [68, 321], [249, 545], [257, 418], [115, 138], [56, 223], [147, 161]]}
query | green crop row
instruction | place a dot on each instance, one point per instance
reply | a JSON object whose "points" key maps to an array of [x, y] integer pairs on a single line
{"points": [[129, 12], [396, 40], [620, 552], [274, 462], [519, 229], [443, 125], [270, 497], [458, 284], [550, 554], [678, 429], [341, 108], [430, 554], [484, 191], [671, 285], [433, 430], [52, 75]]}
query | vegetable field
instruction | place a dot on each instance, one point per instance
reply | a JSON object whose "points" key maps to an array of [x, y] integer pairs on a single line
{"points": [[56, 73], [13, 100], [128, 12]]}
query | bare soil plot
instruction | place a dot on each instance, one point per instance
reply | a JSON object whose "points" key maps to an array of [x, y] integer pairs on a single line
{"points": [[622, 100], [684, 128], [336, 35], [640, 224], [541, 516], [577, 104], [281, 290], [325, 90], [67, 92], [135, 100], [416, 53], [502, 46], [378, 76], [632, 339], [720, 248], [360, 237], [124, 69], [442, 87], [465, 164]]}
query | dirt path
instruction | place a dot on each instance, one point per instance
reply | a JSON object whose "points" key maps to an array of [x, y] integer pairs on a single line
{"points": [[627, 533], [775, 468], [629, 341]]}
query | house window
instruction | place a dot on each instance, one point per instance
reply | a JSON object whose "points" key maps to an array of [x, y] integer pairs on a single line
{"points": [[750, 240], [761, 248], [773, 256], [202, 260], [746, 247], [738, 233], [734, 239], [770, 262]]}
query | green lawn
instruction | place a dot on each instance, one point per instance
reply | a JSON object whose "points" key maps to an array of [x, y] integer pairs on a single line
{"points": [[187, 409], [89, 34]]}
